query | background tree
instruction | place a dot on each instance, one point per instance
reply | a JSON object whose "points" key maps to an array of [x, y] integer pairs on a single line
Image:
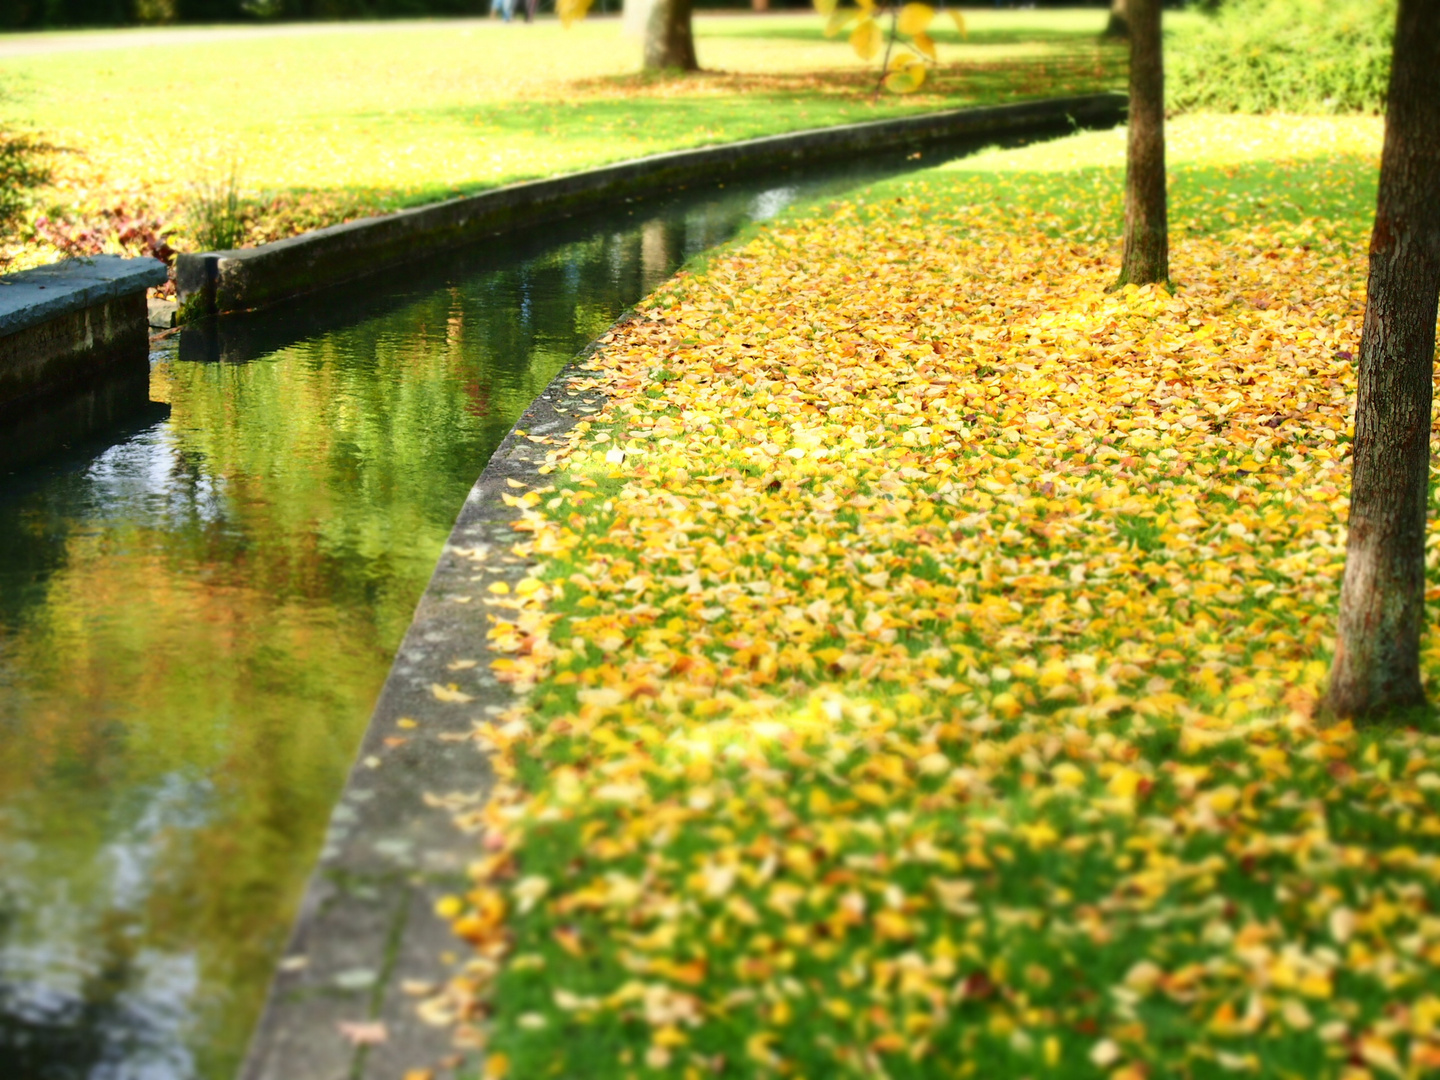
{"points": [[664, 25], [1118, 25], [1147, 246], [669, 39], [1377, 646]]}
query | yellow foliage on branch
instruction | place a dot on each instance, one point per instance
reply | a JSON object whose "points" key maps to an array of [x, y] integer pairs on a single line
{"points": [[571, 11], [903, 70]]}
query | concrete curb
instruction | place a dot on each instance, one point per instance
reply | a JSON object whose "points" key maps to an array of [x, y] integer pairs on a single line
{"points": [[31, 297], [218, 282], [366, 928], [74, 352]]}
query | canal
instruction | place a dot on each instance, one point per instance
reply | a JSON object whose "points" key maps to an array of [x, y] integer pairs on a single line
{"points": [[197, 614]]}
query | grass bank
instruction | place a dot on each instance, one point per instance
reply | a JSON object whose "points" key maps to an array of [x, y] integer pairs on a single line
{"points": [[923, 646], [340, 121]]}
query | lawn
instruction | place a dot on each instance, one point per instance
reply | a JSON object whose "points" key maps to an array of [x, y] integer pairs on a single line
{"points": [[923, 644], [327, 122]]}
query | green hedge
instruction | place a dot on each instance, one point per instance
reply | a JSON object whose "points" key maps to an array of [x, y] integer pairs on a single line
{"points": [[1257, 56]]}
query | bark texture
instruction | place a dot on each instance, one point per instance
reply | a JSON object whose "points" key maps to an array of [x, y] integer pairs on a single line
{"points": [[1118, 25], [1147, 240], [669, 40], [1377, 646]]}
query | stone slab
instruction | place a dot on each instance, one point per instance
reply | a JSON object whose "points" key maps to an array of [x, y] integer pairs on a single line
{"points": [[252, 278], [162, 314], [31, 297]]}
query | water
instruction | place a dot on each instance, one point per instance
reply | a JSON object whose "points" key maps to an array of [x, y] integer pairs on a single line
{"points": [[197, 616]]}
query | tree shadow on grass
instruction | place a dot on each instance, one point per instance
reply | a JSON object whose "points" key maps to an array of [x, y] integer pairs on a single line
{"points": [[977, 82], [941, 32], [1335, 194]]}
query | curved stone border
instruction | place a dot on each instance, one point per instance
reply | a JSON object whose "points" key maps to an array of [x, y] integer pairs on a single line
{"points": [[366, 940], [241, 280]]}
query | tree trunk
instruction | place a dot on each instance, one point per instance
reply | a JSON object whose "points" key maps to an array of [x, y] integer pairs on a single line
{"points": [[669, 43], [1377, 646], [1118, 25], [1147, 245]]}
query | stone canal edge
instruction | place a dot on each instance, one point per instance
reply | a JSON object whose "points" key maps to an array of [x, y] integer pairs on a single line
{"points": [[367, 931]]}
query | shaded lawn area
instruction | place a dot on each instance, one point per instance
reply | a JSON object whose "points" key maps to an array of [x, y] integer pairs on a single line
{"points": [[326, 126], [922, 648]]}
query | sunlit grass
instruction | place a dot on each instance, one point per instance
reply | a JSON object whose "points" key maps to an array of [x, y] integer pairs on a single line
{"points": [[330, 122]]}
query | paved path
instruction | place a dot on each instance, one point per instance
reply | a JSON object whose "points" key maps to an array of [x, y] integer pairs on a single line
{"points": [[151, 37]]}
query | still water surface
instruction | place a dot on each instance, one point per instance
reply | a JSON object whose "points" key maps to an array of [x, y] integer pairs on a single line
{"points": [[197, 615]]}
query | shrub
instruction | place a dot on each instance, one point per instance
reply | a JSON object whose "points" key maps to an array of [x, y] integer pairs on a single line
{"points": [[24, 166], [1303, 56]]}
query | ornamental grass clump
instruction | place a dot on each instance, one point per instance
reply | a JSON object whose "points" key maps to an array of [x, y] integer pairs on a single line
{"points": [[215, 211]]}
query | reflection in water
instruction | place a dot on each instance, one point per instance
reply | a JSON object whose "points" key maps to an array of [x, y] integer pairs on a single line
{"points": [[195, 623]]}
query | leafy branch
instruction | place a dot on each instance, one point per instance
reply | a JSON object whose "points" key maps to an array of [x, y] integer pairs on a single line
{"points": [[902, 71]]}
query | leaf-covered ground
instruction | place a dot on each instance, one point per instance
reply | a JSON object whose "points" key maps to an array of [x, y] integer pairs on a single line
{"points": [[329, 122], [922, 648]]}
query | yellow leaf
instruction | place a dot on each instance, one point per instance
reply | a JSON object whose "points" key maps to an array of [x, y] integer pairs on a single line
{"points": [[871, 793], [914, 18], [571, 10], [893, 926], [839, 1008], [449, 694], [866, 39], [826, 7], [841, 18], [757, 1047], [1068, 775], [1005, 703], [496, 1066], [923, 42], [1124, 783], [1052, 1051], [960, 24]]}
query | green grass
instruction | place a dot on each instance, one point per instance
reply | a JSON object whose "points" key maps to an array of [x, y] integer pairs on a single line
{"points": [[333, 121], [1225, 172], [1248, 188]]}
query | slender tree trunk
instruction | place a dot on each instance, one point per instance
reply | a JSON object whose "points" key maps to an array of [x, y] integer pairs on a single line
{"points": [[669, 42], [1147, 244], [1377, 646], [1118, 25]]}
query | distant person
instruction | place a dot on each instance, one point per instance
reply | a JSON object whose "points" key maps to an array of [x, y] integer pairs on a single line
{"points": [[531, 6], [505, 8]]}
